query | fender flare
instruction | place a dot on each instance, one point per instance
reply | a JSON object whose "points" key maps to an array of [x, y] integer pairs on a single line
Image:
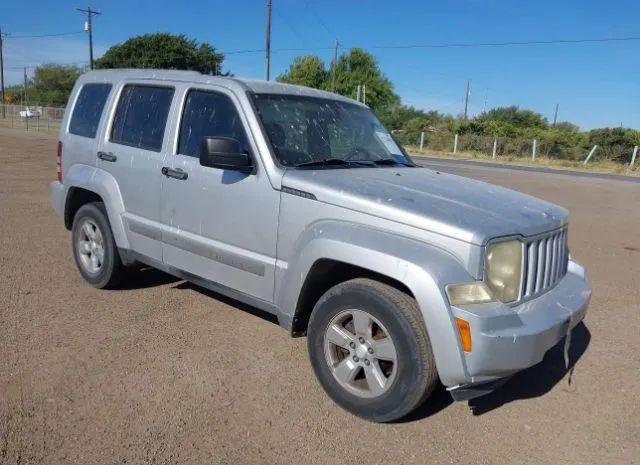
{"points": [[105, 185], [423, 268]]}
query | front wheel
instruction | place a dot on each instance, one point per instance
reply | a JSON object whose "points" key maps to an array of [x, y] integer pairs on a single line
{"points": [[370, 350]]}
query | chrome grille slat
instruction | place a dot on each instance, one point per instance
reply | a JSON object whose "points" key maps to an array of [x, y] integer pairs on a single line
{"points": [[546, 262], [532, 267], [552, 258], [559, 254], [541, 261]]}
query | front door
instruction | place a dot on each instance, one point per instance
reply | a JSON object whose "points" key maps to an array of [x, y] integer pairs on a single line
{"points": [[218, 224]]}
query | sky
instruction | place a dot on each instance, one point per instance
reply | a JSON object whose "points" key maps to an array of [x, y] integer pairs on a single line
{"points": [[594, 84]]}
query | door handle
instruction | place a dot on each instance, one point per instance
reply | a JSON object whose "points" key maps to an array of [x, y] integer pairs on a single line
{"points": [[176, 173], [107, 156]]}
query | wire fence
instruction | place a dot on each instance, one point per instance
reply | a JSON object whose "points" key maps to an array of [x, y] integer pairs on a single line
{"points": [[506, 147], [31, 118]]}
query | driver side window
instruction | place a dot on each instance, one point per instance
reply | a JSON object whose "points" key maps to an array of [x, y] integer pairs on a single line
{"points": [[209, 114]]}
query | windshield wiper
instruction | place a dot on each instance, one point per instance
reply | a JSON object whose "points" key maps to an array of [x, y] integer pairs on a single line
{"points": [[391, 161], [330, 162]]}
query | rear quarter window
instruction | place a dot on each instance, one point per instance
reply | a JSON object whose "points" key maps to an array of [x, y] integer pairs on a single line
{"points": [[88, 109], [141, 116]]}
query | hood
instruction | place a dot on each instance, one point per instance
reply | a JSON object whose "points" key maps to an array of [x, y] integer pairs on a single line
{"points": [[454, 206]]}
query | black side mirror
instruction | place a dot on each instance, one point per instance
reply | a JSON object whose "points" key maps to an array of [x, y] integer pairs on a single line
{"points": [[224, 153]]}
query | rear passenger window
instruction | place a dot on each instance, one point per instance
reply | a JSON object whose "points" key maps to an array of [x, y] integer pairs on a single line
{"points": [[88, 109], [141, 116], [209, 114]]}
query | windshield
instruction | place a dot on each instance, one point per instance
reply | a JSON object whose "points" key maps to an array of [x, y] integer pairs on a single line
{"points": [[310, 131]]}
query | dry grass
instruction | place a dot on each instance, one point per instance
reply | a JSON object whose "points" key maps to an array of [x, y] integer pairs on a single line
{"points": [[602, 166]]}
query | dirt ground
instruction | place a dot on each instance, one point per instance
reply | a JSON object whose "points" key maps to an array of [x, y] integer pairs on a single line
{"points": [[164, 372]]}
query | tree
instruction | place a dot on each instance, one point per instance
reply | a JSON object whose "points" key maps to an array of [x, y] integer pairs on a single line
{"points": [[514, 115], [360, 67], [163, 51], [397, 116], [307, 71], [614, 143], [356, 67], [50, 86], [566, 126]]}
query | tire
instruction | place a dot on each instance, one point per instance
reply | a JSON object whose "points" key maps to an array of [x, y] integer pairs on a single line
{"points": [[407, 381], [104, 271]]}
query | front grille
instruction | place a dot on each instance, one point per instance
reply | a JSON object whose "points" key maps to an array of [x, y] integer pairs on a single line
{"points": [[546, 258]]}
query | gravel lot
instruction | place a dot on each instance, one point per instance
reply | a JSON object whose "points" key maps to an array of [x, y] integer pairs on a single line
{"points": [[164, 372]]}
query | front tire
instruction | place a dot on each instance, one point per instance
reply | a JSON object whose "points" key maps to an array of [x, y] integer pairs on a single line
{"points": [[370, 350], [94, 248]]}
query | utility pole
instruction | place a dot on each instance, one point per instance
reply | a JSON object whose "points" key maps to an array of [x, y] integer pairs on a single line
{"points": [[25, 88], [4, 112], [335, 66], [90, 14], [466, 99], [267, 58], [555, 115]]}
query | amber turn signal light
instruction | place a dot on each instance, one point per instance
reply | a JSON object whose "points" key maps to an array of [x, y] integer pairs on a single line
{"points": [[465, 333]]}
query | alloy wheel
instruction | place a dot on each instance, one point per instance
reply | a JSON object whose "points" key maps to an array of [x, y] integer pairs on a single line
{"points": [[360, 353], [90, 246]]}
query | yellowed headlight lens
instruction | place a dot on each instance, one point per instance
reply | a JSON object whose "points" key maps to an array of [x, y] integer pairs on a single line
{"points": [[469, 293], [504, 269]]}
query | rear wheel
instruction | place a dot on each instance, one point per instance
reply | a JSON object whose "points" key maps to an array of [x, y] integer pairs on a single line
{"points": [[370, 350], [94, 248]]}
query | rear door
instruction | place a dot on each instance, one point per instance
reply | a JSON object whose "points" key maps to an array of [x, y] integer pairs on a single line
{"points": [[133, 149]]}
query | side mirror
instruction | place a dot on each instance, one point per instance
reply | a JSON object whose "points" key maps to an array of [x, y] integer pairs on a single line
{"points": [[224, 153]]}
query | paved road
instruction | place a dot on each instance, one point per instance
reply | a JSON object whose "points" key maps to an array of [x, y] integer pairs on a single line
{"points": [[451, 165], [163, 372]]}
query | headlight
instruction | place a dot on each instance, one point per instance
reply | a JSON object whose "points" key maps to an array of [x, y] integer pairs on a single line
{"points": [[469, 293], [504, 269]]}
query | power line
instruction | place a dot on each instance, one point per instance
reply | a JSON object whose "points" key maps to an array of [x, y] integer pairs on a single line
{"points": [[261, 50], [37, 65], [320, 21], [290, 26], [504, 44], [452, 45], [38, 36], [240, 52]]}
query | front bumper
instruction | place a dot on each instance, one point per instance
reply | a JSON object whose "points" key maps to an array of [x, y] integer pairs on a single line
{"points": [[508, 339]]}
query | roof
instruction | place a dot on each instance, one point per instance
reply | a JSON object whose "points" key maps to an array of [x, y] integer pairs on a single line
{"points": [[236, 83]]}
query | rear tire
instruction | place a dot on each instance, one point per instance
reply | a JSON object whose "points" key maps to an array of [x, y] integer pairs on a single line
{"points": [[94, 248], [370, 350]]}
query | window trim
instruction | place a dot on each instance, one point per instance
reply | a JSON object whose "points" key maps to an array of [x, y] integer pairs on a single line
{"points": [[115, 110], [102, 113], [249, 94], [183, 108]]}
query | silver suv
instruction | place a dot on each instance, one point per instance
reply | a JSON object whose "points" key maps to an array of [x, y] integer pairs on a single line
{"points": [[299, 202]]}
